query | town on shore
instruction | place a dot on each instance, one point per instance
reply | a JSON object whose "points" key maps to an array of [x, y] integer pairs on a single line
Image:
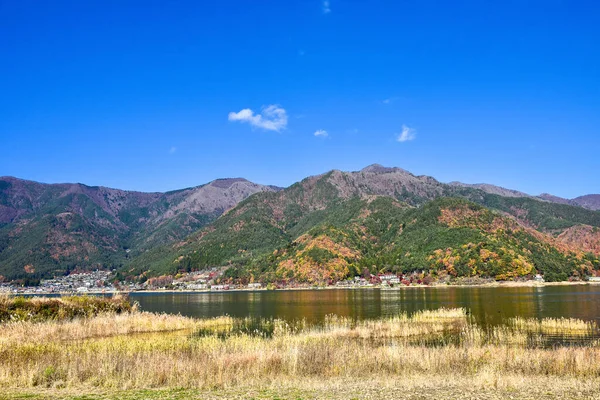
{"points": [[212, 280]]}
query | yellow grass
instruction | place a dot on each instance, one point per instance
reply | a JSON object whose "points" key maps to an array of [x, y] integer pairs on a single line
{"points": [[554, 326], [97, 327], [60, 308], [177, 352]]}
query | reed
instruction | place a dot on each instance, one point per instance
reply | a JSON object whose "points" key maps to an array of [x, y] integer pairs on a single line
{"points": [[554, 326], [60, 308], [143, 350]]}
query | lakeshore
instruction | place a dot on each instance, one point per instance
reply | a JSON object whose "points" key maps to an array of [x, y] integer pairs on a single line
{"points": [[213, 280], [130, 354], [514, 284]]}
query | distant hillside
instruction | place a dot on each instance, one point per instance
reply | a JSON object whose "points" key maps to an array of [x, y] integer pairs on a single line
{"points": [[324, 228], [331, 226], [492, 189], [555, 199], [48, 229], [444, 238], [591, 201]]}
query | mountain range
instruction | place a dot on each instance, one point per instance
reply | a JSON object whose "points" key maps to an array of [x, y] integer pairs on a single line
{"points": [[590, 201], [48, 229], [322, 229]]}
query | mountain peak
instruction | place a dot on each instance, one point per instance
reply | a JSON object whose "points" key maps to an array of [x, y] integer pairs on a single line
{"points": [[492, 189], [554, 199], [225, 183], [379, 169]]}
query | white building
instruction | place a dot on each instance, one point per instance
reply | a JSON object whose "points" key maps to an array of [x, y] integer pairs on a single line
{"points": [[255, 285]]}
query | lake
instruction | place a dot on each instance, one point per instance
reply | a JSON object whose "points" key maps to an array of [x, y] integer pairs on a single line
{"points": [[488, 305]]}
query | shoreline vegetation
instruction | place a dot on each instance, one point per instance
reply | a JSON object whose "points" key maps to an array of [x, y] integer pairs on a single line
{"points": [[43, 309], [127, 353]]}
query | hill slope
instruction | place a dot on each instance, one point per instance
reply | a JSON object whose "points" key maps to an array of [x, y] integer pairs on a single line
{"points": [[590, 201], [323, 228], [49, 229], [334, 225]]}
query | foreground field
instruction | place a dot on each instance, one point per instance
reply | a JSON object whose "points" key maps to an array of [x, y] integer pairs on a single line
{"points": [[331, 390], [431, 354]]}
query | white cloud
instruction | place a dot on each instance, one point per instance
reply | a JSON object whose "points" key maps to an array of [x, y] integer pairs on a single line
{"points": [[172, 150], [390, 100], [321, 133], [407, 134], [326, 7], [272, 118]]}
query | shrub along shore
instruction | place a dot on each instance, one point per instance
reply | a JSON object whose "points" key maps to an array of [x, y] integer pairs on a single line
{"points": [[122, 352]]}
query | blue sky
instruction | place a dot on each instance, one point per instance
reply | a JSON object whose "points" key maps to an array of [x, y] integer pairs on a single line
{"points": [[158, 95]]}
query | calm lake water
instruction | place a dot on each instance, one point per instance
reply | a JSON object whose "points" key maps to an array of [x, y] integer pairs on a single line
{"points": [[488, 305]]}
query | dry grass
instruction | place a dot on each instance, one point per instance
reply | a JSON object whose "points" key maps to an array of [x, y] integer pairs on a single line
{"points": [[60, 308], [398, 387], [102, 326], [227, 354], [554, 326]]}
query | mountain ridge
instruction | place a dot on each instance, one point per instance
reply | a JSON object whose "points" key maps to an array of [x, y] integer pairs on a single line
{"points": [[61, 226], [590, 201], [55, 228], [247, 237]]}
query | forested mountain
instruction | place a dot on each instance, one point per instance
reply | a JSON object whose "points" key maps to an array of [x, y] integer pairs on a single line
{"points": [[47, 229], [334, 225], [322, 229]]}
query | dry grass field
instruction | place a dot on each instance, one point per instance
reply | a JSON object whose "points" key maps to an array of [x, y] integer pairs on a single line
{"points": [[430, 354]]}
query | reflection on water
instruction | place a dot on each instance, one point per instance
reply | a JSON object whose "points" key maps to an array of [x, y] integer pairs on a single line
{"points": [[488, 305]]}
